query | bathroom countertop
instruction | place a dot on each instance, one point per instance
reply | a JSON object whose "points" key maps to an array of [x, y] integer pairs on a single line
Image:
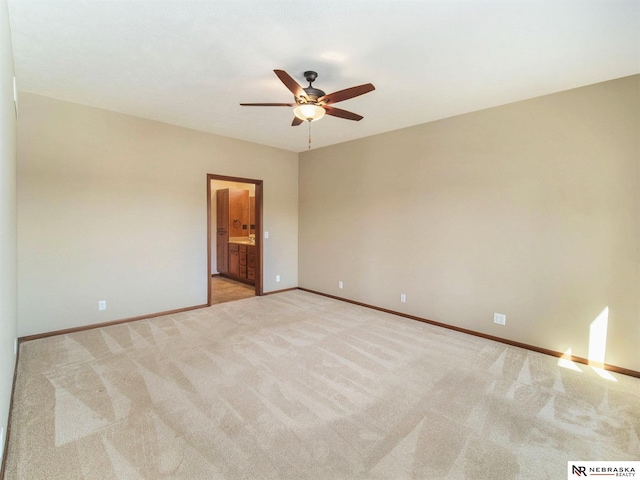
{"points": [[242, 240]]}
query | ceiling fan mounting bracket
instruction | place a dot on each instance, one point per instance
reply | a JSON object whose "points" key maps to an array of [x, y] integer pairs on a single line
{"points": [[310, 76]]}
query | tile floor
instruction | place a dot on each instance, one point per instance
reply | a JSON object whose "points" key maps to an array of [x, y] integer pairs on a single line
{"points": [[226, 290]]}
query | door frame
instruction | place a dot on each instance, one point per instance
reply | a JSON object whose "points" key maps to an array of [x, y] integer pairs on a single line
{"points": [[259, 262]]}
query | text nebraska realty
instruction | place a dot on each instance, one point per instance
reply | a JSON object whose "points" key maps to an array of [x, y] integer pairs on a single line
{"points": [[613, 471]]}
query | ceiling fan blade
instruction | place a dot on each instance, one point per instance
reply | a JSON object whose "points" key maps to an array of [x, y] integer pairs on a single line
{"points": [[338, 112], [291, 84], [268, 104], [296, 121], [346, 94]]}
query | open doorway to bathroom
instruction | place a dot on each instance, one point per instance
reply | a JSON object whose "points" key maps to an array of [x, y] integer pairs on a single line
{"points": [[234, 238]]}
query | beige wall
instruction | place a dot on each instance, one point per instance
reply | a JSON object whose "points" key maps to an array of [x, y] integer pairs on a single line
{"points": [[530, 209], [8, 232], [113, 207]]}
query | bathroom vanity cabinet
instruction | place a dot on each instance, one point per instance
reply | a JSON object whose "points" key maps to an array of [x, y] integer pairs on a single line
{"points": [[242, 262]]}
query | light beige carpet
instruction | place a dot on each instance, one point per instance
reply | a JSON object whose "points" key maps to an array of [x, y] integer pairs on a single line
{"points": [[299, 386]]}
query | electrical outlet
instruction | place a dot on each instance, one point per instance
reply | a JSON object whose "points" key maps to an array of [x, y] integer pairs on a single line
{"points": [[403, 298], [277, 278], [266, 234], [340, 284], [499, 318], [102, 305]]}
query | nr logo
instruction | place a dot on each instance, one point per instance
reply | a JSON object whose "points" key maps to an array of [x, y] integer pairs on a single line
{"points": [[579, 470]]}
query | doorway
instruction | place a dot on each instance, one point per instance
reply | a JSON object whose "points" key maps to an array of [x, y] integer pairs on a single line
{"points": [[224, 287]]}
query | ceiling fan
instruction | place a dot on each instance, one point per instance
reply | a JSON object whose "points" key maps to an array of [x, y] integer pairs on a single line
{"points": [[312, 103]]}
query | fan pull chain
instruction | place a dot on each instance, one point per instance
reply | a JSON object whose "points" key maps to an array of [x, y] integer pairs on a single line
{"points": [[309, 122]]}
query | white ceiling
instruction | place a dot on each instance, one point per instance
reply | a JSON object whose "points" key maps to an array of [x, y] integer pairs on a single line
{"points": [[191, 62]]}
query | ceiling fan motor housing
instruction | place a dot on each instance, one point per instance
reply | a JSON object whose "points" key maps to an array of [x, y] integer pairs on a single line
{"points": [[314, 93]]}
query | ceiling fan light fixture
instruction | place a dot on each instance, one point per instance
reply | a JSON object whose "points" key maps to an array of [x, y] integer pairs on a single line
{"points": [[309, 112]]}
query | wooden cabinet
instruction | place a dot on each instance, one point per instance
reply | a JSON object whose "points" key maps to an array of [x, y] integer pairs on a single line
{"points": [[238, 213], [222, 231], [222, 209], [252, 215], [222, 249], [232, 211], [232, 220], [234, 260], [251, 263], [242, 262]]}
